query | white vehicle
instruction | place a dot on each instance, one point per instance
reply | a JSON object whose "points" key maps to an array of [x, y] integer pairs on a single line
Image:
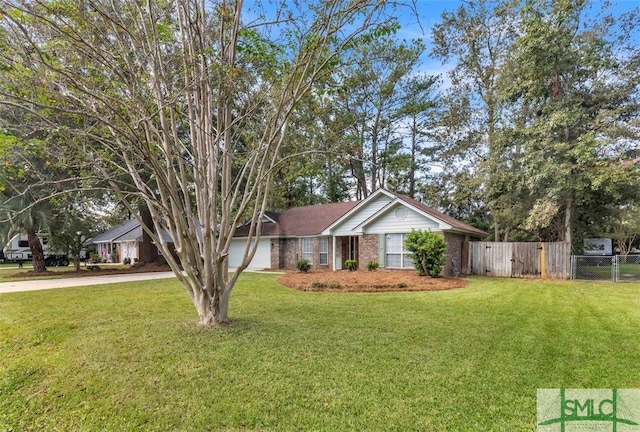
{"points": [[17, 250]]}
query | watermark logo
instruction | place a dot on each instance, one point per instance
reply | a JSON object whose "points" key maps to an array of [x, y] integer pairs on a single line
{"points": [[588, 410]]}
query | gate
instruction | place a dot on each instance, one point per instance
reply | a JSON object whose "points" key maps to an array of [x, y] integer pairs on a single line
{"points": [[616, 268], [520, 259]]}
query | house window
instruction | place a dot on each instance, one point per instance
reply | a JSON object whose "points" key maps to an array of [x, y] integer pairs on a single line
{"points": [[396, 255], [323, 248], [307, 249], [23, 243]]}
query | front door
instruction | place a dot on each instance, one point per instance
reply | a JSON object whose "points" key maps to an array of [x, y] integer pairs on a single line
{"points": [[349, 249]]}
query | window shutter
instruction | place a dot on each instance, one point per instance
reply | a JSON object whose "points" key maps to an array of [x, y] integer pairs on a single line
{"points": [[381, 249]]}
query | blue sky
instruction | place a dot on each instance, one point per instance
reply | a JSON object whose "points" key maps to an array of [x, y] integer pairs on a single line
{"points": [[429, 12]]}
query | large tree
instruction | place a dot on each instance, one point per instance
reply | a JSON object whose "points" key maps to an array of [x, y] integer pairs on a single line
{"points": [[371, 98], [186, 106], [32, 197], [476, 38], [540, 120], [576, 96]]}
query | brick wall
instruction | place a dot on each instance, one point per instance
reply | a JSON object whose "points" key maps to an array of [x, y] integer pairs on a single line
{"points": [[368, 250], [277, 256], [285, 253], [288, 251]]}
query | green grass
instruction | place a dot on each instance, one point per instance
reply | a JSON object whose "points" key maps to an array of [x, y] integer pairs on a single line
{"points": [[627, 272], [129, 357]]}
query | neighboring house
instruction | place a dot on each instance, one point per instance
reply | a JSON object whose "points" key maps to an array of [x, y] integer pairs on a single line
{"points": [[122, 241], [373, 229], [128, 245], [106, 245]]}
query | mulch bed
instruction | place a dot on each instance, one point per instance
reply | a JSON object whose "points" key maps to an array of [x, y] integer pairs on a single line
{"points": [[367, 281]]}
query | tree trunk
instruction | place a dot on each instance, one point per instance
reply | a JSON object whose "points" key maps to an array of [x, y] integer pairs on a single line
{"points": [[357, 170], [37, 253], [568, 221], [414, 162], [213, 307], [148, 251]]}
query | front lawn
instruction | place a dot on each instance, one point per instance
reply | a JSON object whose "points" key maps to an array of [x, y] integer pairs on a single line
{"points": [[10, 272], [129, 357]]}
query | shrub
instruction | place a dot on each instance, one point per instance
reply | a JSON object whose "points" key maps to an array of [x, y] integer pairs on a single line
{"points": [[352, 265], [372, 265], [325, 285], [303, 265], [428, 251]]}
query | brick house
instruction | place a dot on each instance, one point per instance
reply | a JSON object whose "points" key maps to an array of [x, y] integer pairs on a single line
{"points": [[369, 230]]}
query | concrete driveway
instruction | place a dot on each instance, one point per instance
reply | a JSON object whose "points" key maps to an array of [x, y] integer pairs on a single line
{"points": [[34, 285]]}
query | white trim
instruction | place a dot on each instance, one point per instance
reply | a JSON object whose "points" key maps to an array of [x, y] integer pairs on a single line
{"points": [[322, 239], [334, 267], [304, 240], [403, 252], [269, 220]]}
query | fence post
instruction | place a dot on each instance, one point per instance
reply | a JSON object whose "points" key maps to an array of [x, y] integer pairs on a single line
{"points": [[573, 267], [543, 262]]}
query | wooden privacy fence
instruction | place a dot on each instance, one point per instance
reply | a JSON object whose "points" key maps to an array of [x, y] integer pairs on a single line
{"points": [[518, 259]]}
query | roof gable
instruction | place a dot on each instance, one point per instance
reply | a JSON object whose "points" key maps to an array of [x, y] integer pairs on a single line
{"points": [[400, 217], [130, 230], [358, 223], [367, 207]]}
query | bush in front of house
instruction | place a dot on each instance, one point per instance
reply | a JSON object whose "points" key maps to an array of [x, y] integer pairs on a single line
{"points": [[428, 251], [352, 265], [94, 257], [303, 265], [372, 265]]}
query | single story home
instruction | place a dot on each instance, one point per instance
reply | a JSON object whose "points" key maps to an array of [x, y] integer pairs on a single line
{"points": [[373, 229], [122, 241], [106, 243]]}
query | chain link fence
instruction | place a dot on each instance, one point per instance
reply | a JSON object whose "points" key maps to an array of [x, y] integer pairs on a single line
{"points": [[616, 268]]}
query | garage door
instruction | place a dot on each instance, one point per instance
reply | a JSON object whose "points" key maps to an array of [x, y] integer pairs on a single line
{"points": [[262, 258]]}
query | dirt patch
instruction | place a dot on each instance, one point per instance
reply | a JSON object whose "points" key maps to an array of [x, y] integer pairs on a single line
{"points": [[96, 270], [367, 281]]}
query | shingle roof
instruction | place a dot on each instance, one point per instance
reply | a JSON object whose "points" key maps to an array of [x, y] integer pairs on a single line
{"points": [[115, 232], [133, 235], [312, 220], [136, 235], [301, 221]]}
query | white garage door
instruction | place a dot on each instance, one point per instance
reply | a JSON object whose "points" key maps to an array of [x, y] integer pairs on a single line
{"points": [[262, 258]]}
